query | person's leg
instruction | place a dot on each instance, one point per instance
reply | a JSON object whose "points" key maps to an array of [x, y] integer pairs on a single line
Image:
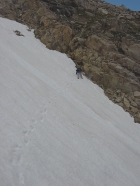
{"points": [[81, 75], [78, 75]]}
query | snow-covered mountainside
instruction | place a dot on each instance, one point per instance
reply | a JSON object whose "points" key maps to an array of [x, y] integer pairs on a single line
{"points": [[55, 129]]}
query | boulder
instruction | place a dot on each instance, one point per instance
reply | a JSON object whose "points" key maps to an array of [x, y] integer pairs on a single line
{"points": [[134, 109], [103, 11], [99, 45], [133, 103], [137, 94], [44, 21], [137, 101], [118, 99], [132, 51], [95, 43], [105, 67], [89, 14], [137, 118], [126, 102]]}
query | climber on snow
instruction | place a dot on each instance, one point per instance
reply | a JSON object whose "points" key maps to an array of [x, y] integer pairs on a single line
{"points": [[79, 71]]}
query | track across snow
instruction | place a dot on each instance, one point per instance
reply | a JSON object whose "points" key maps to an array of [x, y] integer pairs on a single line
{"points": [[55, 129]]}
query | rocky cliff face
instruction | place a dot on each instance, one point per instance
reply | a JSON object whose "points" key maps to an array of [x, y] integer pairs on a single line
{"points": [[104, 38]]}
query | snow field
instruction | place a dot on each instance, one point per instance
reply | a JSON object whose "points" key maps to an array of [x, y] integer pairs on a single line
{"points": [[56, 130]]}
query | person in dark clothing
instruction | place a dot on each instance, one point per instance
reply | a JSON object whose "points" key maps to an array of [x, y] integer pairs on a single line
{"points": [[79, 72]]}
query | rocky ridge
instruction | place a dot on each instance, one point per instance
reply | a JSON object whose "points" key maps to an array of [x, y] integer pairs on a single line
{"points": [[103, 38]]}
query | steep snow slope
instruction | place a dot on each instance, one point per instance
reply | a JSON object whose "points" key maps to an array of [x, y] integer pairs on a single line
{"points": [[56, 130]]}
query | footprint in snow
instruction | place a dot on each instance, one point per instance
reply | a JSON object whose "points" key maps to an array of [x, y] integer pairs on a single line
{"points": [[32, 127], [33, 120], [21, 178], [26, 141]]}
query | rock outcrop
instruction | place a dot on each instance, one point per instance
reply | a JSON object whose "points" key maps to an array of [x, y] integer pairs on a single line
{"points": [[105, 38]]}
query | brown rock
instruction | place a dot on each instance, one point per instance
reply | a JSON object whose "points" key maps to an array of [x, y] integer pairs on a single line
{"points": [[78, 54], [121, 104], [126, 86], [88, 14], [137, 101], [84, 59], [105, 67], [126, 102], [41, 11], [113, 82], [137, 118], [132, 50], [133, 109], [118, 99], [103, 11], [104, 80], [133, 103], [44, 21], [99, 45], [137, 94], [109, 91]]}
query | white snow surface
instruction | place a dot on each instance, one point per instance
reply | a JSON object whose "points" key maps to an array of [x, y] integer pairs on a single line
{"points": [[55, 129]]}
